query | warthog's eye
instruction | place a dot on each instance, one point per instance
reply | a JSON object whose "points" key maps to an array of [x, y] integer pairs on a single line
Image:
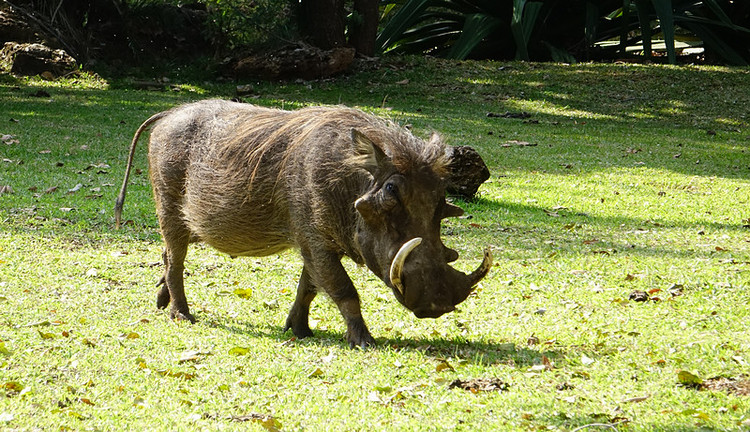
{"points": [[391, 188]]}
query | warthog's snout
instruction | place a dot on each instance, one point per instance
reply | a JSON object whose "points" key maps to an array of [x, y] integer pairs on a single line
{"points": [[433, 311], [429, 286]]}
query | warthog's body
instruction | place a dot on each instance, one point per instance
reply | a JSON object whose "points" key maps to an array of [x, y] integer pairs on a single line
{"points": [[329, 181]]}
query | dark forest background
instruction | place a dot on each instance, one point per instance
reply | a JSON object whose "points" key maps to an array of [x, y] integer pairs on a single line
{"points": [[126, 32]]}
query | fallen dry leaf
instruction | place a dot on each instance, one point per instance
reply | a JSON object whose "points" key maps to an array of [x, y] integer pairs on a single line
{"points": [[8, 139], [192, 356], [688, 379], [638, 296], [13, 386], [329, 358], [244, 293], [538, 368], [636, 399], [444, 365], [508, 114], [268, 422], [518, 143], [86, 401], [739, 387], [239, 351], [43, 323], [480, 384], [172, 374], [317, 373]]}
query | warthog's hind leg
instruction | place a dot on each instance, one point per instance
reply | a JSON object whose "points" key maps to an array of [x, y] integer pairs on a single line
{"points": [[176, 252], [162, 299], [176, 239]]}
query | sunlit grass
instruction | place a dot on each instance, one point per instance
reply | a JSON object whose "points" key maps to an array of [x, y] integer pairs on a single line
{"points": [[624, 178]]}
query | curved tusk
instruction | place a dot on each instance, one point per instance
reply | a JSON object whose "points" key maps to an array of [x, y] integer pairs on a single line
{"points": [[483, 268], [397, 266]]}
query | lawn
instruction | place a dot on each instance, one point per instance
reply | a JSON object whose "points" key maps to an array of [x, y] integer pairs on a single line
{"points": [[618, 211]]}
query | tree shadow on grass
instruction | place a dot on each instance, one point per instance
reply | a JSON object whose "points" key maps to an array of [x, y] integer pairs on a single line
{"points": [[615, 421], [616, 234]]}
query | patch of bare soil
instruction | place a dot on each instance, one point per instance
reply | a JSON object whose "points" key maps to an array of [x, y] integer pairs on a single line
{"points": [[476, 385]]}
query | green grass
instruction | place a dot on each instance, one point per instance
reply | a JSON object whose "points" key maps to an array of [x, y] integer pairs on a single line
{"points": [[624, 178]]}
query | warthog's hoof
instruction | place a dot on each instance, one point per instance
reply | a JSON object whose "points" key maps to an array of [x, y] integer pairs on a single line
{"points": [[182, 316], [359, 337], [299, 328]]}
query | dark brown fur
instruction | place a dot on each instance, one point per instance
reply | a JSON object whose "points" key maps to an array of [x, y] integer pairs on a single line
{"points": [[255, 181]]}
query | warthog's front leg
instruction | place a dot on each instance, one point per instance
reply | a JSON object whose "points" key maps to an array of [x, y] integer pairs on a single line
{"points": [[328, 274], [357, 333], [297, 320]]}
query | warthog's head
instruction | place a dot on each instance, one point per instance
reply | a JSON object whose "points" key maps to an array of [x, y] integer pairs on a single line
{"points": [[400, 231]]}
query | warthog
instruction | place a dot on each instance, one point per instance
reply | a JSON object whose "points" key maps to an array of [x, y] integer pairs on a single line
{"points": [[331, 182]]}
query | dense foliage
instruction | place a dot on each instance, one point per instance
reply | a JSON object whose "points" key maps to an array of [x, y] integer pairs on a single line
{"points": [[127, 30], [567, 30], [496, 29]]}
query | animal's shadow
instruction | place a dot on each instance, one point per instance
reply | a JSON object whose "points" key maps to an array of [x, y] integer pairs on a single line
{"points": [[485, 353]]}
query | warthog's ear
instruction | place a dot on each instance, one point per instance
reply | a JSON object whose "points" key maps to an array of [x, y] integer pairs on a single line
{"points": [[371, 155]]}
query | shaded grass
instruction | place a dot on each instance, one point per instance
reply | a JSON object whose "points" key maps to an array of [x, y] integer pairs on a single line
{"points": [[623, 178]]}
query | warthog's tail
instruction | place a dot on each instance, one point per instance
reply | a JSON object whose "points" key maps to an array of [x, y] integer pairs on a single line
{"points": [[121, 197]]}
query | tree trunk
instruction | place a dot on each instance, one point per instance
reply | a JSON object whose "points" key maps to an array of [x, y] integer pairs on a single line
{"points": [[365, 28], [322, 21]]}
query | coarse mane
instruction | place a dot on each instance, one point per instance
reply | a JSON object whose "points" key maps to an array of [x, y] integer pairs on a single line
{"points": [[277, 133], [407, 152]]}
